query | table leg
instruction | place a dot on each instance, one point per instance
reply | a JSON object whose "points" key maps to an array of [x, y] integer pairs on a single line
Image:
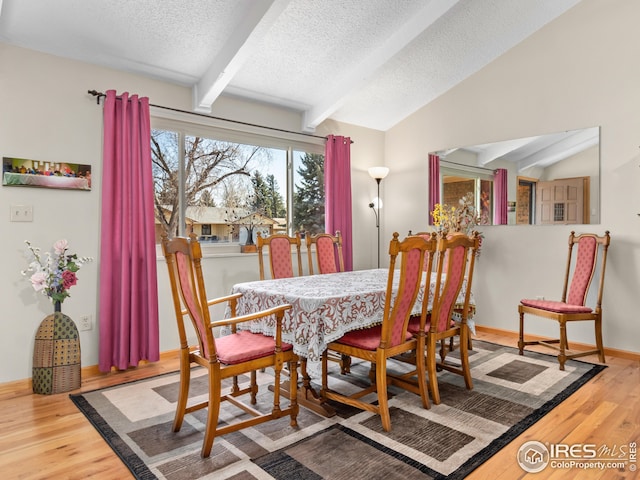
{"points": [[307, 396]]}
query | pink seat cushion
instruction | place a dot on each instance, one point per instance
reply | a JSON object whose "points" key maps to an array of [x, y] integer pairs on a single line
{"points": [[244, 346], [367, 339], [555, 306]]}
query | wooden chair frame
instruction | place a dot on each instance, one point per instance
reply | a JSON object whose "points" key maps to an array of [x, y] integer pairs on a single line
{"points": [[321, 241], [183, 256], [278, 238], [455, 258], [573, 297], [391, 336]]}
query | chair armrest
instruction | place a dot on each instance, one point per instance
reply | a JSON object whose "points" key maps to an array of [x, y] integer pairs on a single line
{"points": [[252, 316], [226, 298], [215, 301]]}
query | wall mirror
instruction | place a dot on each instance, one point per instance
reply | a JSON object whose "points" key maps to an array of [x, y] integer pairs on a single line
{"points": [[552, 178]]}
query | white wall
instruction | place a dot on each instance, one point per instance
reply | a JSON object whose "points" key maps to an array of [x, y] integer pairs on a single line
{"points": [[578, 71], [46, 114]]}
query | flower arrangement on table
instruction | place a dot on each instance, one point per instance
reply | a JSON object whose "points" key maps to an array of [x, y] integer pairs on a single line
{"points": [[53, 274], [463, 218]]}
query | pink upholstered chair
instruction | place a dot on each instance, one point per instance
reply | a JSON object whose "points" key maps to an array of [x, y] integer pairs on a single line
{"points": [[379, 343], [226, 357], [280, 246], [591, 253], [328, 249], [328, 256], [454, 264]]}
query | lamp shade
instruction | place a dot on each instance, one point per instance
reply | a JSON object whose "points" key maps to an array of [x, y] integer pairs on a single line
{"points": [[378, 173]]}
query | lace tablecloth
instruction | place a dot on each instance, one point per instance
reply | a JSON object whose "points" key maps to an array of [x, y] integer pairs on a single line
{"points": [[324, 307]]}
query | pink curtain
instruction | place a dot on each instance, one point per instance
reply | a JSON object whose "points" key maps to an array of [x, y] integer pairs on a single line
{"points": [[337, 193], [434, 183], [129, 330], [500, 187]]}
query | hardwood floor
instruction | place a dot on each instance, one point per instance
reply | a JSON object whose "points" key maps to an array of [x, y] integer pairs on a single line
{"points": [[47, 437]]}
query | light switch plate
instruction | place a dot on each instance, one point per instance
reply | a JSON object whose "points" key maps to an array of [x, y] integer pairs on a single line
{"points": [[21, 213]]}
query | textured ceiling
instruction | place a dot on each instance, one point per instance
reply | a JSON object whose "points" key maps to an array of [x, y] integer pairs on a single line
{"points": [[365, 62]]}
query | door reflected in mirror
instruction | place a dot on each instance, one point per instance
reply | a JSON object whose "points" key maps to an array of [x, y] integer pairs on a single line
{"points": [[551, 178]]}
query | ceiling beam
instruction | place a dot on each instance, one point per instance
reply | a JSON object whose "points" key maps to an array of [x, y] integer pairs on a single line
{"points": [[240, 46], [335, 97], [564, 148]]}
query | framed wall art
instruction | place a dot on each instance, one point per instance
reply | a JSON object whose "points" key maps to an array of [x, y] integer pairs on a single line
{"points": [[22, 172]]}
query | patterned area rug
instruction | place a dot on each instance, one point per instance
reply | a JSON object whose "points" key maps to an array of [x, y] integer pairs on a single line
{"points": [[447, 441]]}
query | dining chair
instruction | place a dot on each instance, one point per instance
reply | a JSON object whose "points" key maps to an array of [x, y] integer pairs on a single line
{"points": [[228, 356], [329, 259], [591, 257], [379, 343], [280, 247], [454, 262], [451, 346], [328, 252]]}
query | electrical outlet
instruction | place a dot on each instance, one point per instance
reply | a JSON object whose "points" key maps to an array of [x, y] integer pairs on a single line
{"points": [[21, 213], [85, 323]]}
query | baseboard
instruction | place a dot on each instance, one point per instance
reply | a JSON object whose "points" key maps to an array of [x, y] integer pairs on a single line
{"points": [[613, 352], [94, 371], [24, 385]]}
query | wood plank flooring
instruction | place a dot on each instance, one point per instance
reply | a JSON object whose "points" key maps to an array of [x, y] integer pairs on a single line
{"points": [[46, 437]]}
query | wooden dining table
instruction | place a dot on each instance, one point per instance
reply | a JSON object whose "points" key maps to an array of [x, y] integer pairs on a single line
{"points": [[324, 308]]}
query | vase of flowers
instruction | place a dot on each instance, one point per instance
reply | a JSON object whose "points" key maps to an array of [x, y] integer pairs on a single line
{"points": [[463, 218], [56, 355]]}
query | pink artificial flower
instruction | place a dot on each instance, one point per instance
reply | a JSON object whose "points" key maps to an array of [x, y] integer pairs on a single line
{"points": [[39, 281], [69, 279], [60, 246]]}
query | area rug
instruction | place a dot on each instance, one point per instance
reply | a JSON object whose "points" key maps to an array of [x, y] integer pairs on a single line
{"points": [[449, 440]]}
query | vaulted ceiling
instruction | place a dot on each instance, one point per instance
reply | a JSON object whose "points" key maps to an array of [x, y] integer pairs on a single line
{"points": [[365, 62]]}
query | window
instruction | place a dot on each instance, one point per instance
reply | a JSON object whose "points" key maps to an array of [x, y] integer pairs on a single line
{"points": [[226, 186]]}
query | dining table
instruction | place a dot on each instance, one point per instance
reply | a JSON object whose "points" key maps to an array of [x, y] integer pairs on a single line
{"points": [[324, 308]]}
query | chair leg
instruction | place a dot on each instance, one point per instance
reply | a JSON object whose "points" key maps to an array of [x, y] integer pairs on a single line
{"points": [[421, 372], [464, 357], [293, 393], [215, 392], [254, 386], [183, 395], [383, 400], [521, 335], [599, 344], [345, 364], [563, 344], [277, 370], [432, 371]]}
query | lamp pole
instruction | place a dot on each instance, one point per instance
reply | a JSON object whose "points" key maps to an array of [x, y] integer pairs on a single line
{"points": [[377, 173]]}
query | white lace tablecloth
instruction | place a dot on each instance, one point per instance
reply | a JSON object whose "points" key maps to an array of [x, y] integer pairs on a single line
{"points": [[324, 307]]}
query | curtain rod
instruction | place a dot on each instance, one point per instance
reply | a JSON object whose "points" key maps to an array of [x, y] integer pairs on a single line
{"points": [[95, 93]]}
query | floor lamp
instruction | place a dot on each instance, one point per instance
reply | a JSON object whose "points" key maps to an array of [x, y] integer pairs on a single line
{"points": [[377, 173]]}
